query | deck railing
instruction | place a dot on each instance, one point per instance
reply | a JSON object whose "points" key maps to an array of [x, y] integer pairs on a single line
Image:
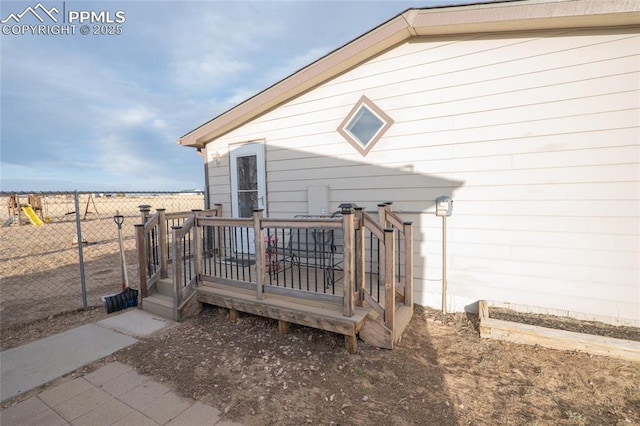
{"points": [[156, 239], [348, 260], [384, 263]]}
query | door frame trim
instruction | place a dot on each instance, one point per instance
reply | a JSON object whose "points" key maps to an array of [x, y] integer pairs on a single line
{"points": [[256, 147]]}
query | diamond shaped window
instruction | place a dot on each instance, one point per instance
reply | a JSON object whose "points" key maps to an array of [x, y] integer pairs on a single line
{"points": [[364, 126]]}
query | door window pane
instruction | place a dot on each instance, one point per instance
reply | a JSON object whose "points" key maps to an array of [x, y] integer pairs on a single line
{"points": [[247, 173], [247, 202]]}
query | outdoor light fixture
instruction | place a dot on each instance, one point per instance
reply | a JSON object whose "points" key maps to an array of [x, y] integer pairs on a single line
{"points": [[216, 157], [346, 208]]}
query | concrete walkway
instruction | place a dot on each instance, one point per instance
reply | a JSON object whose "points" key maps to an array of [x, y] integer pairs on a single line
{"points": [[115, 394]]}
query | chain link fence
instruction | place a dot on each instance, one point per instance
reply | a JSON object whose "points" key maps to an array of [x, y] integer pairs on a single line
{"points": [[60, 251]]}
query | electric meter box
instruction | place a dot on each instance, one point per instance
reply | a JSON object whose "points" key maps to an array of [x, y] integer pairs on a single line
{"points": [[444, 206]]}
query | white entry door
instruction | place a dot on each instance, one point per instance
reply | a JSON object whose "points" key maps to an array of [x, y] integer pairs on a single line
{"points": [[248, 188]]}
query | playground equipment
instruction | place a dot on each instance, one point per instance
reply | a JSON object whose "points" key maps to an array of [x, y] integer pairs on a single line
{"points": [[32, 209], [32, 216]]}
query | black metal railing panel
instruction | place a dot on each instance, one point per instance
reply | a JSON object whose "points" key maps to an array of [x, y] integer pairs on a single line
{"points": [[229, 252], [307, 259]]}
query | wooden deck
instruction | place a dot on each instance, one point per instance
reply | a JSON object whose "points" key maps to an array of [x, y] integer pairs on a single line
{"points": [[309, 313], [363, 289]]}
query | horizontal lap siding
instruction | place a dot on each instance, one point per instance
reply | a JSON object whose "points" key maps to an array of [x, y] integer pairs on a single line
{"points": [[535, 135]]}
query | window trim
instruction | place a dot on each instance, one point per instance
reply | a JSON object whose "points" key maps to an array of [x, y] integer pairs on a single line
{"points": [[387, 122]]}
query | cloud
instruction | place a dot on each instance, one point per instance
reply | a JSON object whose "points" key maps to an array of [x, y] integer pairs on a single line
{"points": [[105, 112], [295, 63]]}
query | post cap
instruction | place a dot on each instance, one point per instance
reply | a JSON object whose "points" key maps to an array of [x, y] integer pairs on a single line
{"points": [[345, 208]]}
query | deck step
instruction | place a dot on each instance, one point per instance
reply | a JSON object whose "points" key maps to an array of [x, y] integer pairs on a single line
{"points": [[376, 333], [165, 286], [159, 304]]}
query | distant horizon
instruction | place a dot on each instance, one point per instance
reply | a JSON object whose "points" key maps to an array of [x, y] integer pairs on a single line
{"points": [[144, 192]]}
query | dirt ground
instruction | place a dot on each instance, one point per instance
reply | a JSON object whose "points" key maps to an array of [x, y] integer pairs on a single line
{"points": [[441, 373]]}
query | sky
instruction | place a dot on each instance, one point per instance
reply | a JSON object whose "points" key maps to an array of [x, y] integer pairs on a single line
{"points": [[103, 112]]}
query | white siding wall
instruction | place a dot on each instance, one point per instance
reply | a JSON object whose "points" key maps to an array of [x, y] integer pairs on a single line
{"points": [[535, 136]]}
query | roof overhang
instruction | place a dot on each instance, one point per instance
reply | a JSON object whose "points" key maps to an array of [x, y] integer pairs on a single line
{"points": [[478, 18]]}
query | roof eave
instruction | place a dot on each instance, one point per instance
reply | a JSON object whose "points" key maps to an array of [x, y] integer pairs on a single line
{"points": [[480, 18]]}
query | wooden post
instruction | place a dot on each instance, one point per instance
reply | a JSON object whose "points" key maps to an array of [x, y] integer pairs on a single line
{"points": [[162, 244], [258, 234], [284, 327], [218, 242], [177, 270], [350, 343], [407, 229], [382, 215], [359, 241], [142, 259], [389, 281], [144, 212], [198, 248], [348, 260], [483, 310], [233, 314]]}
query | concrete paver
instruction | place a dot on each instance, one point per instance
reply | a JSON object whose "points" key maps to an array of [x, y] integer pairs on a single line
{"points": [[80, 402], [107, 373], [114, 394], [144, 394], [136, 322], [65, 392], [166, 407], [105, 414], [31, 412], [124, 383], [198, 414], [34, 364]]}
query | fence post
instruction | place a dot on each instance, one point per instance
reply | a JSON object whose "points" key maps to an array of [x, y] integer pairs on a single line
{"points": [[83, 282], [142, 259], [408, 263], [389, 280], [382, 215], [348, 260], [177, 269], [359, 261], [258, 235], [198, 257], [144, 212], [162, 243]]}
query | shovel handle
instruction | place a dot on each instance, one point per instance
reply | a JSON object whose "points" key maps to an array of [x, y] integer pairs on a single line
{"points": [[118, 219]]}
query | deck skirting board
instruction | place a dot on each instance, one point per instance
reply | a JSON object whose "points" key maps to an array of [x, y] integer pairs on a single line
{"points": [[317, 315]]}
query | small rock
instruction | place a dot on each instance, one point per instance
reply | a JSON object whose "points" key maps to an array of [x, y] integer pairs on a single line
{"points": [[366, 398]]}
